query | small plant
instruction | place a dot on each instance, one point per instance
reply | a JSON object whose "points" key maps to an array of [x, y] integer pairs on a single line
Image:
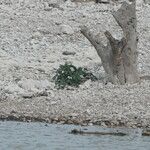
{"points": [[70, 75]]}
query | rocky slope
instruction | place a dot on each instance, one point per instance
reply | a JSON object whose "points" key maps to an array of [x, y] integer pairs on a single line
{"points": [[34, 35]]}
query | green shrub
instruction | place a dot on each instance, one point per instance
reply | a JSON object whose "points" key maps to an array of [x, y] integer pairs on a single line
{"points": [[69, 75]]}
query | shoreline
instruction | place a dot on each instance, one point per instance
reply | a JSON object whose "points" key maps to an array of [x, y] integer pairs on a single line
{"points": [[115, 130], [63, 120], [76, 121]]}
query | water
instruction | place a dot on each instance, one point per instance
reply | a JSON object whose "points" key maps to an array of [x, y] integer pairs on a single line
{"points": [[37, 136]]}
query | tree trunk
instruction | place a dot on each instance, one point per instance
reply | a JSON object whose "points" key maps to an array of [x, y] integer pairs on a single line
{"points": [[119, 58]]}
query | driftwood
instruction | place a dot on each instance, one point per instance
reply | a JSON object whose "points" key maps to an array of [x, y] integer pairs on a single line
{"points": [[119, 57], [75, 131]]}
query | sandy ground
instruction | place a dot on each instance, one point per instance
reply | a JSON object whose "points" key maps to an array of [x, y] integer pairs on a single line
{"points": [[35, 33]]}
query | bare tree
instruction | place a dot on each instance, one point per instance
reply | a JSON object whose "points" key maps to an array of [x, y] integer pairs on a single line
{"points": [[119, 58]]}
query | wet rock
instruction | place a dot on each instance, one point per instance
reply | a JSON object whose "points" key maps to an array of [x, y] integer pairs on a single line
{"points": [[146, 132]]}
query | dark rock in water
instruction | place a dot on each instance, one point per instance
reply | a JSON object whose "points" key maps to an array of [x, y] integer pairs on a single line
{"points": [[75, 131]]}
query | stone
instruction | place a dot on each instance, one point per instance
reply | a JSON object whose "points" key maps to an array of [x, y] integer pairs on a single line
{"points": [[85, 85], [27, 95], [66, 29], [73, 115], [103, 124], [53, 103], [34, 85], [68, 53], [13, 88]]}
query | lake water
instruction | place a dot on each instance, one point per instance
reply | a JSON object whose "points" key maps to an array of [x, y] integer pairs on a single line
{"points": [[38, 136]]}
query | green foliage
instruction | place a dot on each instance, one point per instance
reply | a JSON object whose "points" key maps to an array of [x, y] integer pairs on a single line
{"points": [[70, 75]]}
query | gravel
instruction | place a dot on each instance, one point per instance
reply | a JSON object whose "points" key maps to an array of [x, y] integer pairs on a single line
{"points": [[34, 35]]}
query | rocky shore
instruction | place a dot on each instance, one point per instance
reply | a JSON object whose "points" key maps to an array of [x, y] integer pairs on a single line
{"points": [[35, 38]]}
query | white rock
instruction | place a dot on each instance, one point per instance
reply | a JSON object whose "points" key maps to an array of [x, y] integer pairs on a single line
{"points": [[86, 85], [88, 111], [13, 88], [66, 29], [34, 85], [44, 84], [53, 103], [90, 124], [28, 84]]}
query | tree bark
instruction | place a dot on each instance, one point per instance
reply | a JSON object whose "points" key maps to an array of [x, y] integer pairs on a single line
{"points": [[119, 58]]}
